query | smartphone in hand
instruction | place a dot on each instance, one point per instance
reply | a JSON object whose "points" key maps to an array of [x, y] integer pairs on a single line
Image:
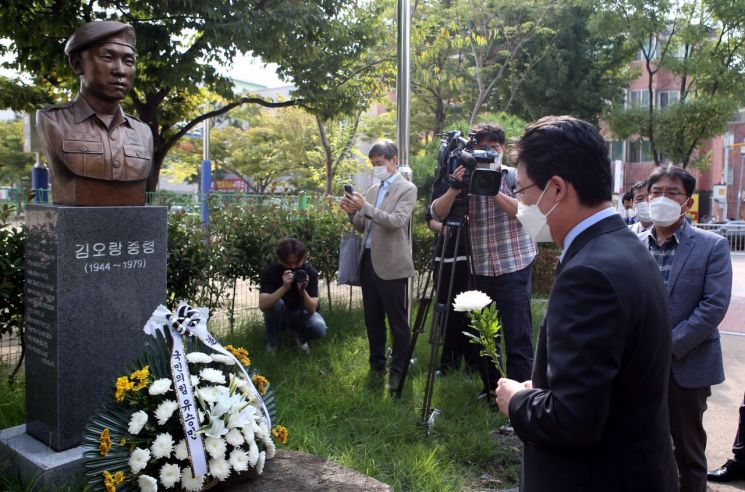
{"points": [[348, 189]]}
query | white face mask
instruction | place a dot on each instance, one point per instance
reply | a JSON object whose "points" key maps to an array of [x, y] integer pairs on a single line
{"points": [[642, 211], [664, 211], [381, 172], [534, 221]]}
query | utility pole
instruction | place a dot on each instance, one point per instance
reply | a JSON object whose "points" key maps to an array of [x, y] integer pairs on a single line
{"points": [[402, 112]]}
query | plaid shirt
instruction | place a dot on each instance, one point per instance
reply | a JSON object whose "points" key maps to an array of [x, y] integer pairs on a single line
{"points": [[665, 254], [499, 243]]}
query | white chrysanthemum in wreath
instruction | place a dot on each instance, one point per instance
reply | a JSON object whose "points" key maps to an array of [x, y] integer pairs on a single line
{"points": [[165, 410], [136, 422], [170, 475], [198, 358]]}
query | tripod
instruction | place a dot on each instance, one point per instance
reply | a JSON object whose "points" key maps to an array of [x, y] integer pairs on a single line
{"points": [[454, 225]]}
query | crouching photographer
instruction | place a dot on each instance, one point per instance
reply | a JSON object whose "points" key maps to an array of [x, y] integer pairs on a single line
{"points": [[500, 253], [288, 296]]}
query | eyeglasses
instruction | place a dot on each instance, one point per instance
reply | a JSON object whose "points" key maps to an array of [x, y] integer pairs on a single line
{"points": [[671, 194], [519, 193]]}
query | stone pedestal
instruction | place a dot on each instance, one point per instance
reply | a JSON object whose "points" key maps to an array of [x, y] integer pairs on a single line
{"points": [[36, 463], [94, 275]]}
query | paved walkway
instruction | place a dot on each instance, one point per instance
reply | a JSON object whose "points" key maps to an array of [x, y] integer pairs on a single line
{"points": [[720, 420]]}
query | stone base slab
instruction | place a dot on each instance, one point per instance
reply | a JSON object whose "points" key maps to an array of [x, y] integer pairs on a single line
{"points": [[35, 462]]}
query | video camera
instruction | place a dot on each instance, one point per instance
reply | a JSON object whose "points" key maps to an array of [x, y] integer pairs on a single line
{"points": [[456, 150]]}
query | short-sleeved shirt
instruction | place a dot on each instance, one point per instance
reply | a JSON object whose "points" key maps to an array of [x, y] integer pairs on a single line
{"points": [[271, 280]]}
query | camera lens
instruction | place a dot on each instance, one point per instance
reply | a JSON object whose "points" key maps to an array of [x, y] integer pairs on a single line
{"points": [[485, 182], [301, 276]]}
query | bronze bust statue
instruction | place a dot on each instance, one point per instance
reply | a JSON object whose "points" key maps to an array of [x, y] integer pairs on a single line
{"points": [[97, 154]]}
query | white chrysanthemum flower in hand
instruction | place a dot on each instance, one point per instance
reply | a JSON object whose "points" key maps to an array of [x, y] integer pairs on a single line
{"points": [[234, 438], [215, 446], [260, 463], [198, 358], [162, 446], [222, 359], [180, 451], [165, 410], [253, 453], [189, 482], [160, 386], [239, 460], [170, 475], [138, 460], [219, 468], [147, 483], [471, 300], [136, 422], [212, 375]]}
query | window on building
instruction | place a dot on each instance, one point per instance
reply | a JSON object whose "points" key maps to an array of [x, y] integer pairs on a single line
{"points": [[651, 48], [665, 98], [638, 98], [616, 150], [639, 151]]}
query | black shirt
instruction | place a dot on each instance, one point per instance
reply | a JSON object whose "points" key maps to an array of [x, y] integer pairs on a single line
{"points": [[271, 280]]}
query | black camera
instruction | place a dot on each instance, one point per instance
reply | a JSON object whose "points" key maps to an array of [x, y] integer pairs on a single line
{"points": [[456, 150], [300, 276]]}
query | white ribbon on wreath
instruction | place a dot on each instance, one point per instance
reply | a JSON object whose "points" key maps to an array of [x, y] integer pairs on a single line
{"points": [[190, 321]]}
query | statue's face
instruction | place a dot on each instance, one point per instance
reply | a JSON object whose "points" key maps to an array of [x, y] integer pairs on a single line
{"points": [[107, 71]]}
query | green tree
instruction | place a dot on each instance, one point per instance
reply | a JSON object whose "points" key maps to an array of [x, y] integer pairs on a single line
{"points": [[15, 164], [439, 63], [179, 45], [579, 72], [702, 44], [274, 151], [498, 34]]}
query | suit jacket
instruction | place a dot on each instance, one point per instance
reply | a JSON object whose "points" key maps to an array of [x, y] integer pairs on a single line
{"points": [[391, 247], [699, 287], [596, 418]]}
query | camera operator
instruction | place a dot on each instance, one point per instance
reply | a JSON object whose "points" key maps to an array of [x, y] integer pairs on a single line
{"points": [[288, 296], [501, 257]]}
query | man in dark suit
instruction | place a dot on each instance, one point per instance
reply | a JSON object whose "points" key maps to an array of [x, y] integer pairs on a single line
{"points": [[696, 268], [594, 416]]}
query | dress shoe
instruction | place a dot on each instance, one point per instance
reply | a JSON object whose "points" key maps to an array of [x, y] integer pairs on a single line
{"points": [[729, 471]]}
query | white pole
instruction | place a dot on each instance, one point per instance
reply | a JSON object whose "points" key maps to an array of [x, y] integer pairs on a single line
{"points": [[402, 110]]}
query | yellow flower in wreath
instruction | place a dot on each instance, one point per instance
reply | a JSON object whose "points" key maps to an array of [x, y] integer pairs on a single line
{"points": [[260, 382], [111, 481], [123, 384], [104, 442], [239, 353], [279, 433], [141, 377]]}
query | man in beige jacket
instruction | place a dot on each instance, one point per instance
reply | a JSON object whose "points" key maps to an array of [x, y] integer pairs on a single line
{"points": [[383, 215]]}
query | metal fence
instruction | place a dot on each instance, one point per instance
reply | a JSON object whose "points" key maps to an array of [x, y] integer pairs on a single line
{"points": [[733, 230]]}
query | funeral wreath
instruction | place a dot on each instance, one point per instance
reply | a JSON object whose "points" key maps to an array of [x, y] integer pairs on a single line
{"points": [[188, 414]]}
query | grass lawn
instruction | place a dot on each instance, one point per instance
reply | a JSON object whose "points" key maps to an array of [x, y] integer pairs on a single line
{"points": [[333, 409]]}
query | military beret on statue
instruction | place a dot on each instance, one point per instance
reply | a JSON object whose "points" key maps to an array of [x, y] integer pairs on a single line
{"points": [[99, 31]]}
